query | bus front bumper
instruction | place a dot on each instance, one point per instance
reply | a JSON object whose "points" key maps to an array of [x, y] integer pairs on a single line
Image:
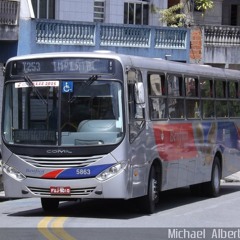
{"points": [[114, 187]]}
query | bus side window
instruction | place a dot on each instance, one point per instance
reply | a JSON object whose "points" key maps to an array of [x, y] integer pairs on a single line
{"points": [[176, 108], [156, 85], [191, 87], [233, 102], [157, 96], [220, 88], [232, 89], [175, 86], [206, 90], [221, 104], [192, 97]]}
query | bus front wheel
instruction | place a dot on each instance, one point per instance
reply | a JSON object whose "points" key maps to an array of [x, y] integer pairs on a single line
{"points": [[149, 202], [49, 204]]}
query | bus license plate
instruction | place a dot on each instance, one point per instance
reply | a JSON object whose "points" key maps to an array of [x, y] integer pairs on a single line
{"points": [[60, 190]]}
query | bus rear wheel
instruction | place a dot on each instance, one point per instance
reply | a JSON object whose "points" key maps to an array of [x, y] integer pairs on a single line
{"points": [[49, 204], [149, 202], [212, 188]]}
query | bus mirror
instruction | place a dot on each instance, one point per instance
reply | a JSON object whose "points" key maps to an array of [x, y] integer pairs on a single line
{"points": [[139, 93]]}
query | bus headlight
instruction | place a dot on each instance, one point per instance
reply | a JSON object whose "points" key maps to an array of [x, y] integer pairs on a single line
{"points": [[112, 171], [13, 172]]}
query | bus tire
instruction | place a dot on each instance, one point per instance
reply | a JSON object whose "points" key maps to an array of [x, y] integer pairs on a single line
{"points": [[149, 202], [212, 188], [49, 204]]}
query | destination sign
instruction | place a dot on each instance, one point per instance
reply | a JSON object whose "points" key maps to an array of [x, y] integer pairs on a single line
{"points": [[62, 65]]}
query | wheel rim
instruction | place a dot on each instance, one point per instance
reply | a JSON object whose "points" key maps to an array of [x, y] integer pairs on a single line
{"points": [[154, 192], [216, 178]]}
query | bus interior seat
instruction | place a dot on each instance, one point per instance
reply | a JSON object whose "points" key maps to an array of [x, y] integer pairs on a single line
{"points": [[106, 125]]}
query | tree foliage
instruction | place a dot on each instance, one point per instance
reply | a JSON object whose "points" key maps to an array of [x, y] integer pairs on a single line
{"points": [[203, 5], [175, 17]]}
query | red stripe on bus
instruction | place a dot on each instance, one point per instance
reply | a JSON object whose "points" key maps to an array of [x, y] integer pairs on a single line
{"points": [[175, 141], [52, 174]]}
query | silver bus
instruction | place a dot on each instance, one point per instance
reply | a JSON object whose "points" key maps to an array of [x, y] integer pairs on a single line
{"points": [[106, 125]]}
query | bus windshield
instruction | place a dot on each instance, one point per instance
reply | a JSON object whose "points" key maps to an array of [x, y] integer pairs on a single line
{"points": [[63, 112]]}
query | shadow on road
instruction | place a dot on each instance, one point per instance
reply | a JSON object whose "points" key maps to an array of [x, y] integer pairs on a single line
{"points": [[122, 209]]}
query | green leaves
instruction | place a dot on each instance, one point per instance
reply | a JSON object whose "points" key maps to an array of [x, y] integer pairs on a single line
{"points": [[203, 5], [175, 16]]}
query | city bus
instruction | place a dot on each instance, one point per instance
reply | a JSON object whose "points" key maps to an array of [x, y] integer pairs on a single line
{"points": [[102, 125]]}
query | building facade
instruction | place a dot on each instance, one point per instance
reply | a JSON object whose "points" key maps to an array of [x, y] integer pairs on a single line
{"points": [[87, 25], [107, 11], [215, 34]]}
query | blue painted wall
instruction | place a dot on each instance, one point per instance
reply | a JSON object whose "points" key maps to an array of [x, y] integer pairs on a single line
{"points": [[27, 44]]}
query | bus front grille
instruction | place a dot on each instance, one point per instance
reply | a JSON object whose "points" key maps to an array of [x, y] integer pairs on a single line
{"points": [[60, 162], [74, 191]]}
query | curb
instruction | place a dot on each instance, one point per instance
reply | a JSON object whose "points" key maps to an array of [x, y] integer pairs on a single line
{"points": [[235, 177], [231, 179]]}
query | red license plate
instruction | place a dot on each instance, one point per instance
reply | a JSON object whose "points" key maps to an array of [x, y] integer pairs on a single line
{"points": [[60, 190]]}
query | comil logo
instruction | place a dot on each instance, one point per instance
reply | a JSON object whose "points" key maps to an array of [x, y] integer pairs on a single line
{"points": [[59, 151]]}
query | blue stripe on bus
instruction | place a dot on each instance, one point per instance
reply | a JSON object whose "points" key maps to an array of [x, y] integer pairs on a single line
{"points": [[84, 172]]}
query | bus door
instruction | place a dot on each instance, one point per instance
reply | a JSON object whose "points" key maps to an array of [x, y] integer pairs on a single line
{"points": [[137, 131]]}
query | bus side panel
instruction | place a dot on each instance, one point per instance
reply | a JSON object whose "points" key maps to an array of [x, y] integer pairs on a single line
{"points": [[188, 149], [229, 141], [176, 147]]}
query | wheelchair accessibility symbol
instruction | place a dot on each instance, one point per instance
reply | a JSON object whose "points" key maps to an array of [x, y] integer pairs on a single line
{"points": [[67, 86]]}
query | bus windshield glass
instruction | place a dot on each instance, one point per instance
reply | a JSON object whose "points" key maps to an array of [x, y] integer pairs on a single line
{"points": [[63, 112]]}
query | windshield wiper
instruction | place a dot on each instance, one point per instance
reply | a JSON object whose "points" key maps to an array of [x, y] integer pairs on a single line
{"points": [[92, 79], [88, 82], [31, 84]]}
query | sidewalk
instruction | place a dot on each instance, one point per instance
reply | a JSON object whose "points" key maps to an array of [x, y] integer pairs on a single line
{"points": [[233, 178]]}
